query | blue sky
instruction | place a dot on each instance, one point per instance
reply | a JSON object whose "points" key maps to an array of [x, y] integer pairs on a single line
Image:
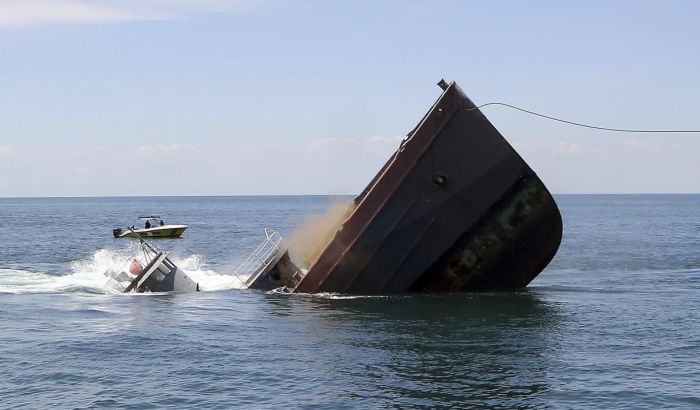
{"points": [[216, 97]]}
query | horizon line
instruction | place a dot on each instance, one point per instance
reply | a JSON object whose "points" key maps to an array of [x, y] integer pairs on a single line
{"points": [[300, 195]]}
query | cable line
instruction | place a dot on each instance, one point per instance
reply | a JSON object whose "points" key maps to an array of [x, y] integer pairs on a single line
{"points": [[578, 124]]}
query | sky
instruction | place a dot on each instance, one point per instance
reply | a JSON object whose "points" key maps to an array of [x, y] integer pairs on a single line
{"points": [[258, 97]]}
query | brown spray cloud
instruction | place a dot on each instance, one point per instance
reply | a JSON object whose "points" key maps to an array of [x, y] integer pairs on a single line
{"points": [[309, 239]]}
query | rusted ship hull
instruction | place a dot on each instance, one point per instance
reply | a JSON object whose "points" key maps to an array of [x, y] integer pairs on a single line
{"points": [[455, 209]]}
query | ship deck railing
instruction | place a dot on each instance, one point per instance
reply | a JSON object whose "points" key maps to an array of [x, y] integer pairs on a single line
{"points": [[262, 256]]}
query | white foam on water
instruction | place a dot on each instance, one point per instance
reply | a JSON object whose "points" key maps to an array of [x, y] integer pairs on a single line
{"points": [[88, 275], [209, 280], [20, 281], [339, 296]]}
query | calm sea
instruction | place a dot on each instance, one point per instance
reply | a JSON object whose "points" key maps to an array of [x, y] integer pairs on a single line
{"points": [[613, 322]]}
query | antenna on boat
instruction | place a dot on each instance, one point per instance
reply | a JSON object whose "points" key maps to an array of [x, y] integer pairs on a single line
{"points": [[145, 244]]}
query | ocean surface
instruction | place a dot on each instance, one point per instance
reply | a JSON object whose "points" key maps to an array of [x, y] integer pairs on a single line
{"points": [[613, 322]]}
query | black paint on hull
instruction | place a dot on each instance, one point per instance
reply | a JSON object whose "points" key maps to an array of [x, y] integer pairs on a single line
{"points": [[455, 209]]}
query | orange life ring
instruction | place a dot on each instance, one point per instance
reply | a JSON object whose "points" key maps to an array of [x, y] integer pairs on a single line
{"points": [[135, 268]]}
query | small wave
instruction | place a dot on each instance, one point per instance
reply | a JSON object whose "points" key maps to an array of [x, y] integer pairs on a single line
{"points": [[340, 296], [88, 275], [583, 289], [625, 270], [22, 281]]}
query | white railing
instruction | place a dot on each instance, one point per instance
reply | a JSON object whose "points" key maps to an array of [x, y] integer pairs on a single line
{"points": [[262, 256]]}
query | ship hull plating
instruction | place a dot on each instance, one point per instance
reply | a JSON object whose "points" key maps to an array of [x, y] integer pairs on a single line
{"points": [[455, 209]]}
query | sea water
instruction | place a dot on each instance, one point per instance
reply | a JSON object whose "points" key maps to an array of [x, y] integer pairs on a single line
{"points": [[613, 322]]}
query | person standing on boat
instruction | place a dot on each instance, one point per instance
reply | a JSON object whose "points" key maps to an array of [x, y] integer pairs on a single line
{"points": [[161, 223], [148, 224]]}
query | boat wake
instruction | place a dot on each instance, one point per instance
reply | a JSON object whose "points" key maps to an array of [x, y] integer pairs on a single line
{"points": [[88, 275]]}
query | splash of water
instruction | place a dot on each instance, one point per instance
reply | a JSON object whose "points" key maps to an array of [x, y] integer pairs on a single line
{"points": [[88, 275]]}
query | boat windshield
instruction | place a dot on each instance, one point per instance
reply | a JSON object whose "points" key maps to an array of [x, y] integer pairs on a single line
{"points": [[153, 220]]}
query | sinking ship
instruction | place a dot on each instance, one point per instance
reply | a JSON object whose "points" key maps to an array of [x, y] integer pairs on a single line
{"points": [[154, 273], [454, 209]]}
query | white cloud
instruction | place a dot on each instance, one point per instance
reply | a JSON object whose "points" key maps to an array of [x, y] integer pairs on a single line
{"points": [[334, 165], [207, 5], [371, 144], [37, 12], [556, 148], [333, 144], [641, 145], [385, 140], [567, 148], [164, 149], [80, 170], [318, 166], [33, 12], [253, 148]]}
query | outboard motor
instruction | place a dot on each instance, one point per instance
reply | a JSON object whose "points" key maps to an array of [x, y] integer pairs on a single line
{"points": [[117, 232]]}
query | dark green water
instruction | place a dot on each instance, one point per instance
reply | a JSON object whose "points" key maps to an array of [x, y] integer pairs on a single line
{"points": [[613, 322]]}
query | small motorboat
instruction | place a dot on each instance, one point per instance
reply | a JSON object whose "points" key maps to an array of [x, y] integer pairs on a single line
{"points": [[155, 273], [154, 227]]}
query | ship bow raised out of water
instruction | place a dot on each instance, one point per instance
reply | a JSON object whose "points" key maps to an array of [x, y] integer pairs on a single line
{"points": [[454, 209]]}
